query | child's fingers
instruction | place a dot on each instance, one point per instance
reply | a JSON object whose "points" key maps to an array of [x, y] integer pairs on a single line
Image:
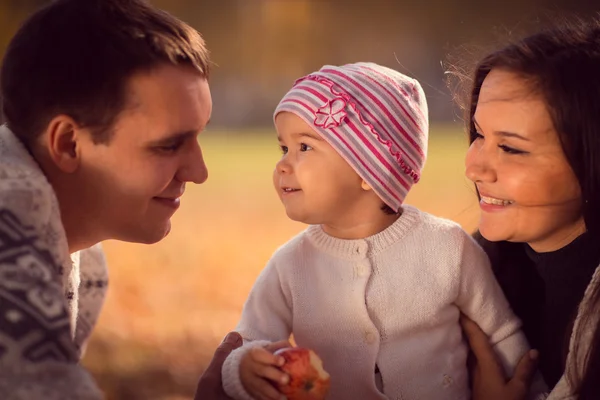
{"points": [[263, 356], [268, 391], [282, 344], [271, 373], [263, 390], [251, 374]]}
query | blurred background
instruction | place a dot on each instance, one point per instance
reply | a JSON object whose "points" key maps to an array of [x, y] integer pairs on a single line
{"points": [[170, 304]]}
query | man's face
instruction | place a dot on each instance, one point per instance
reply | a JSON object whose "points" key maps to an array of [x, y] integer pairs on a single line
{"points": [[132, 185]]}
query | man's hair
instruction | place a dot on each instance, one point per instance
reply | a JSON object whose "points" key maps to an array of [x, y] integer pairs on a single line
{"points": [[75, 57]]}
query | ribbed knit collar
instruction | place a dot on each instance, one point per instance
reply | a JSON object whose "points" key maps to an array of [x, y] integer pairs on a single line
{"points": [[360, 248]]}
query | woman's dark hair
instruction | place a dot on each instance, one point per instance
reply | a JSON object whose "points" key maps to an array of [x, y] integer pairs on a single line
{"points": [[562, 65]]}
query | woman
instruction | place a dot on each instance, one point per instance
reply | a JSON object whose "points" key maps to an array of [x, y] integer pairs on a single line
{"points": [[534, 156]]}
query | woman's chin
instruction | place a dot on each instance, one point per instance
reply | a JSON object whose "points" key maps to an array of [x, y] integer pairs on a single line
{"points": [[492, 232]]}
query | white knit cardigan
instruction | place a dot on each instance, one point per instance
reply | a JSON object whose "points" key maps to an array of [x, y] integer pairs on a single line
{"points": [[391, 300]]}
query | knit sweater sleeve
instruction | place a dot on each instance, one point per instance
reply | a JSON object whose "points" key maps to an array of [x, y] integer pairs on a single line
{"points": [[38, 357], [481, 299], [266, 317]]}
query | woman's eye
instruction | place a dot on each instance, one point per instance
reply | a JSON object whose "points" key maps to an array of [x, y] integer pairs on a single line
{"points": [[476, 135], [510, 150], [507, 149]]}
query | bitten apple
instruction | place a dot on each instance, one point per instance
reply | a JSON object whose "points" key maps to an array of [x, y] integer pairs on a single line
{"points": [[308, 379]]}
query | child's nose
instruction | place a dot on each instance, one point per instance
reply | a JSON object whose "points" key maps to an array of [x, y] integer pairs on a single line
{"points": [[283, 166]]}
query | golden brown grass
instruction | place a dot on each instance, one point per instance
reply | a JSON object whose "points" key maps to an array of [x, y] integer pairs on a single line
{"points": [[170, 304]]}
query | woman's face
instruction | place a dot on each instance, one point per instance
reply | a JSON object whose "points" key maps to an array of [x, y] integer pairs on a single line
{"points": [[529, 193]]}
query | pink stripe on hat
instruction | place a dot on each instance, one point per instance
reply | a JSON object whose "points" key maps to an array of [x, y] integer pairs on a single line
{"points": [[375, 117], [354, 156], [376, 102]]}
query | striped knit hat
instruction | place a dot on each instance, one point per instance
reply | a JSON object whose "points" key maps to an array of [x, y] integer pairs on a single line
{"points": [[375, 117]]}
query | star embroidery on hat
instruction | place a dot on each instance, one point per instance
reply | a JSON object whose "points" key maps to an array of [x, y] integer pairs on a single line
{"points": [[331, 114]]}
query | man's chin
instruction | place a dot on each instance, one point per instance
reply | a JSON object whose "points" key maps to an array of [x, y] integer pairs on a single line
{"points": [[161, 233], [148, 235]]}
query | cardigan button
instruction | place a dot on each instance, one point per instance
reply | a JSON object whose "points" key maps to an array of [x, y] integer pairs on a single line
{"points": [[361, 248]]}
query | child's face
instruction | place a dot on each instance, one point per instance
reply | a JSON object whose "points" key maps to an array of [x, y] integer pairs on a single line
{"points": [[315, 184]]}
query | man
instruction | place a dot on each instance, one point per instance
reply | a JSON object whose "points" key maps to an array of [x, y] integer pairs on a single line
{"points": [[103, 102]]}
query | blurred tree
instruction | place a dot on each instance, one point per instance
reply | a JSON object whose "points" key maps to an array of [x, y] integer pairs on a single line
{"points": [[12, 13], [259, 47]]}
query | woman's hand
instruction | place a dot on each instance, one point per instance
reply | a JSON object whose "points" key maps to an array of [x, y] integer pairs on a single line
{"points": [[487, 375]]}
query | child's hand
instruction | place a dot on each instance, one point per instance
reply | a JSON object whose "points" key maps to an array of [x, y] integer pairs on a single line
{"points": [[259, 369]]}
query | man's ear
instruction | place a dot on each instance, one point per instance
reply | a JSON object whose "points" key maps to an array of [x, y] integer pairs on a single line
{"points": [[365, 186], [61, 139]]}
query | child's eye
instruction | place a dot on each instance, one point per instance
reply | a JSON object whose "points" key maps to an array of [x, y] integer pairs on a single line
{"points": [[283, 149], [305, 147]]}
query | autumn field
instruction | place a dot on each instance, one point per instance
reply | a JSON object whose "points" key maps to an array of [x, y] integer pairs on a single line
{"points": [[170, 304]]}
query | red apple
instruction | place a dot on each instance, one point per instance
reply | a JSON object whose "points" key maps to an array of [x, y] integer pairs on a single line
{"points": [[308, 379]]}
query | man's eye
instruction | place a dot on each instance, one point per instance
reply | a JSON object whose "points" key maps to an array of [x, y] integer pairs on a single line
{"points": [[169, 149]]}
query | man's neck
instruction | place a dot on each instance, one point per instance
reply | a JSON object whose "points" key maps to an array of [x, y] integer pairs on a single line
{"points": [[73, 215], [76, 239]]}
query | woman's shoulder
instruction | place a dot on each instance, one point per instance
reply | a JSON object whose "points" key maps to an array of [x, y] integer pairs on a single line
{"points": [[583, 331]]}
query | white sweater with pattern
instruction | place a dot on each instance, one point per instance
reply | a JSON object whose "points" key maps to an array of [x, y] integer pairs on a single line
{"points": [[49, 299]]}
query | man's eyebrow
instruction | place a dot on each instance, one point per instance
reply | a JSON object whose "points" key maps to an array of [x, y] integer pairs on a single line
{"points": [[502, 133], [176, 137], [180, 136]]}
